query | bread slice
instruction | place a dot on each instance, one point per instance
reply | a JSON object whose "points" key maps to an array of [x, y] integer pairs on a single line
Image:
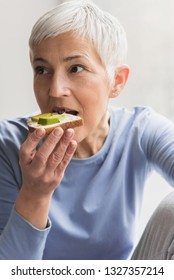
{"points": [[66, 121]]}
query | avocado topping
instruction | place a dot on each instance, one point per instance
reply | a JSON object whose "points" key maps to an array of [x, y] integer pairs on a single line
{"points": [[37, 117], [48, 118]]}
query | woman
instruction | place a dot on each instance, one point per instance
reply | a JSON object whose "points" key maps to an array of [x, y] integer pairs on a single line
{"points": [[77, 194]]}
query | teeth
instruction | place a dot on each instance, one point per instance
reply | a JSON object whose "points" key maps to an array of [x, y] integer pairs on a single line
{"points": [[60, 111], [64, 110], [75, 113]]}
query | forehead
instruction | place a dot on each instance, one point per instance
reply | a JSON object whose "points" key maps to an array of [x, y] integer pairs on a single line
{"points": [[64, 45]]}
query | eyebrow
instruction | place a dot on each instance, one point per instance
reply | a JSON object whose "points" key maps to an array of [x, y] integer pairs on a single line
{"points": [[65, 59], [40, 59], [69, 58]]}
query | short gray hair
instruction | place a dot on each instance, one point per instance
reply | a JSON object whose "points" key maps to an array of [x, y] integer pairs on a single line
{"points": [[102, 29]]}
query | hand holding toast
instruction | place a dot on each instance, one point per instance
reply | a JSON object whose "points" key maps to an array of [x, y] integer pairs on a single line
{"points": [[42, 171]]}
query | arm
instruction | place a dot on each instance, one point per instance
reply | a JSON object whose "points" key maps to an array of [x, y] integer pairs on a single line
{"points": [[25, 233], [158, 145]]}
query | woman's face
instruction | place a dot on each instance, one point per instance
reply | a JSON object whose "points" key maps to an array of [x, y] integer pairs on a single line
{"points": [[69, 76]]}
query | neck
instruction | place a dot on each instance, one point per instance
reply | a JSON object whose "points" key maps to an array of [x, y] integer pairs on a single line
{"points": [[94, 142]]}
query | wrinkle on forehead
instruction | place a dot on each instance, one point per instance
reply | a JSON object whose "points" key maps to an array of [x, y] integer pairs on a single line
{"points": [[68, 44]]}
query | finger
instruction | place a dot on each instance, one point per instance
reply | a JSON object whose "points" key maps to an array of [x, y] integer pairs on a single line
{"points": [[67, 157], [45, 150], [28, 148], [59, 152]]}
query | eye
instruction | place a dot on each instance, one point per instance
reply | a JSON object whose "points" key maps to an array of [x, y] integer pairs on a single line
{"points": [[76, 68], [40, 70]]}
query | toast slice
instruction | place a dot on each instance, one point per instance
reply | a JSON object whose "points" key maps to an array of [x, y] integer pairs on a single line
{"points": [[50, 121]]}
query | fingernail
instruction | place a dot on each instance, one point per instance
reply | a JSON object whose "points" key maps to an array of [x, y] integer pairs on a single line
{"points": [[73, 145], [57, 131], [69, 133], [39, 132]]}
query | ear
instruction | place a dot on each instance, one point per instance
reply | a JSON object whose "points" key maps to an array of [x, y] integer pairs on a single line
{"points": [[120, 80]]}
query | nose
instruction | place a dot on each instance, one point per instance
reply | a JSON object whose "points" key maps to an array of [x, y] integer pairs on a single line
{"points": [[59, 86]]}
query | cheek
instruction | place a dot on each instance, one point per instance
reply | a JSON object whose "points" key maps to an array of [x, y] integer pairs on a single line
{"points": [[94, 107], [94, 102], [41, 97], [91, 91], [95, 98]]}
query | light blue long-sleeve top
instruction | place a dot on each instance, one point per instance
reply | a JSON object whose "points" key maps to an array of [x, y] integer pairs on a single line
{"points": [[94, 210]]}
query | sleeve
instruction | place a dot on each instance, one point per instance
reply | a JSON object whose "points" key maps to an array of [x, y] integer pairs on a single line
{"points": [[21, 241], [18, 238], [158, 144]]}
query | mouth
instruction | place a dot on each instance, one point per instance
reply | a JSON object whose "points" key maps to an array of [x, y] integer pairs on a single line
{"points": [[61, 110]]}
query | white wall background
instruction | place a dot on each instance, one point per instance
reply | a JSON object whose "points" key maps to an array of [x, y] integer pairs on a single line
{"points": [[149, 25], [16, 20]]}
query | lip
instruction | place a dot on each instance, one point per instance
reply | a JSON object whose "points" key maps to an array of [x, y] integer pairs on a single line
{"points": [[61, 110]]}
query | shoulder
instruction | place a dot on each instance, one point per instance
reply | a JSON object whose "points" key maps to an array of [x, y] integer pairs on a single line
{"points": [[131, 114], [138, 116], [140, 123]]}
